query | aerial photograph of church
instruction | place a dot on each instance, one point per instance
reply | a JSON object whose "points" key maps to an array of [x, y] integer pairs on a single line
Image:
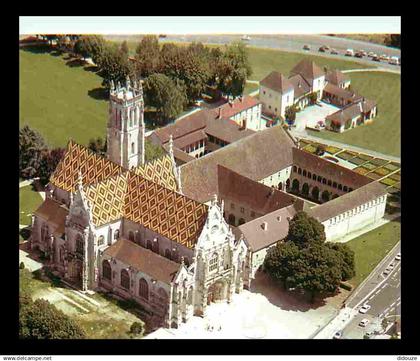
{"points": [[217, 186]]}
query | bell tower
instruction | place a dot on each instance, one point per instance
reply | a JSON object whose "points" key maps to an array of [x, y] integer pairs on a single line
{"points": [[125, 130]]}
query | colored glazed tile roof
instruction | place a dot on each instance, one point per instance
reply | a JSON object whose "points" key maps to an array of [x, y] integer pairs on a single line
{"points": [[144, 260], [92, 166], [147, 203], [160, 171]]}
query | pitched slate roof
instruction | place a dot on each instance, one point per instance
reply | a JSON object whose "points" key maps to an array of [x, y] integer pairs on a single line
{"points": [[144, 260], [259, 197], [55, 214], [239, 105], [147, 203], [92, 166], [300, 85], [256, 156], [336, 77], [277, 228], [227, 130], [308, 69], [277, 82], [348, 201]]}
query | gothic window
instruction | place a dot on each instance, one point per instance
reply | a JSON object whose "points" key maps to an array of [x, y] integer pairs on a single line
{"points": [[106, 270], [190, 295], [294, 168], [213, 262], [340, 187], [329, 182], [44, 232], [242, 210], [155, 247], [304, 173], [167, 253], [131, 236], [299, 171], [117, 234], [133, 148], [149, 244], [79, 244], [101, 240], [143, 289], [345, 188], [334, 184], [138, 239], [125, 279], [314, 176]]}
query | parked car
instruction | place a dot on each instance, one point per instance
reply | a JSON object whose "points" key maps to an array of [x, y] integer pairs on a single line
{"points": [[394, 60], [349, 52], [338, 335], [358, 55], [322, 49], [364, 322], [398, 257], [363, 52], [306, 47], [391, 266], [364, 308], [376, 58], [334, 52], [387, 271], [384, 57], [371, 54]]}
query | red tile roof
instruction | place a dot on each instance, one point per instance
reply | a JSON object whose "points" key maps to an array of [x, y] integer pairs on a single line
{"points": [[228, 110], [55, 214], [308, 69], [277, 82]]}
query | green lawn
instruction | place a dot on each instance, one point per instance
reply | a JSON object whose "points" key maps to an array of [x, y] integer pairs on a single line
{"points": [[384, 134], [29, 201], [263, 61], [54, 99], [372, 247]]}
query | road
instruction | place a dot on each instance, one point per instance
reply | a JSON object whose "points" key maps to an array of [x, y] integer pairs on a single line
{"points": [[295, 43], [381, 292]]}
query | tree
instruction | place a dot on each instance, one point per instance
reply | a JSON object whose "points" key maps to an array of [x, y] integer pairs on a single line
{"points": [[233, 69], [147, 55], [346, 254], [325, 196], [136, 328], [98, 146], [304, 229], [42, 320], [152, 151], [166, 95], [90, 46], [114, 65], [31, 145], [393, 40], [290, 113], [313, 97], [48, 163], [384, 324], [124, 48]]}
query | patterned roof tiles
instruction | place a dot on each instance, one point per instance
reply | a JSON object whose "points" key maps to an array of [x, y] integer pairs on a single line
{"points": [[92, 166]]}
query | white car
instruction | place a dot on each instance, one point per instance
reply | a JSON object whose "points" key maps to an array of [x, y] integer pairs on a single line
{"points": [[364, 322], [337, 335], [364, 308], [387, 271], [391, 266], [349, 52], [398, 257]]}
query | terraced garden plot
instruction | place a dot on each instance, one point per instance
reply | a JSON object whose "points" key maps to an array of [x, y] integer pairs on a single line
{"points": [[397, 186], [396, 177], [392, 167], [303, 143], [346, 155], [332, 150], [387, 181], [374, 176], [382, 171], [379, 162], [357, 160], [361, 170], [365, 156], [310, 148], [369, 166]]}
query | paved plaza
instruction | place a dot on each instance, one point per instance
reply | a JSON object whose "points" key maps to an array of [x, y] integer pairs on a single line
{"points": [[312, 114], [264, 312]]}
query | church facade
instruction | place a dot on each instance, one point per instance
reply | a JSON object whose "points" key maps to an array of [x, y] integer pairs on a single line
{"points": [[122, 225]]}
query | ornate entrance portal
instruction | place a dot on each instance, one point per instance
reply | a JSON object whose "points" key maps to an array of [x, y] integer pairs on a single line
{"points": [[216, 292], [75, 272]]}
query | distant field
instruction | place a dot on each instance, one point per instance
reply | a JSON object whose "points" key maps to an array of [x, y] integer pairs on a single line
{"points": [[54, 99], [371, 38], [371, 248], [384, 134]]}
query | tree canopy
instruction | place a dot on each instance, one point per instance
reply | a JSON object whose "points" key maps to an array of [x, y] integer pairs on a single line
{"points": [[31, 145], [304, 229]]}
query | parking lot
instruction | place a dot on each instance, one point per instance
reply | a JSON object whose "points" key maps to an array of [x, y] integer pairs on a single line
{"points": [[311, 115]]}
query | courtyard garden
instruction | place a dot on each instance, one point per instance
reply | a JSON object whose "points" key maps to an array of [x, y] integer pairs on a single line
{"points": [[371, 248]]}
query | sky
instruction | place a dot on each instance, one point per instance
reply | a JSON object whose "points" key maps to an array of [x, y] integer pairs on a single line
{"points": [[208, 24]]}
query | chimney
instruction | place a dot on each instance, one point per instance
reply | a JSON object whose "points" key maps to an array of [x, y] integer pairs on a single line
{"points": [[241, 98], [264, 226], [279, 218], [220, 112]]}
